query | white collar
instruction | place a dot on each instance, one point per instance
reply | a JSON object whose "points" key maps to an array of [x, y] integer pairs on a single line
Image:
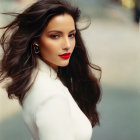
{"points": [[46, 68]]}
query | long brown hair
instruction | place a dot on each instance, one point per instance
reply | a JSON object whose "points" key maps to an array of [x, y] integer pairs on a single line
{"points": [[18, 60]]}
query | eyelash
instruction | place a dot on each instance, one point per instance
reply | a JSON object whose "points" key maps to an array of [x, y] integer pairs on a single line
{"points": [[73, 35], [56, 36]]}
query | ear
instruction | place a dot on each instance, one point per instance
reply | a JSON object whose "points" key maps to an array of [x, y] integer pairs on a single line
{"points": [[36, 43]]}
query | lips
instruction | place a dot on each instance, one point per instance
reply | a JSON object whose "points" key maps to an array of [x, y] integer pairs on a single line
{"points": [[65, 55]]}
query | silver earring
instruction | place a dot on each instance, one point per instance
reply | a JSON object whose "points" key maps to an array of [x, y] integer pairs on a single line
{"points": [[36, 48]]}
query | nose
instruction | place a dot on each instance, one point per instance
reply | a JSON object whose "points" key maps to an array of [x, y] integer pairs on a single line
{"points": [[67, 43]]}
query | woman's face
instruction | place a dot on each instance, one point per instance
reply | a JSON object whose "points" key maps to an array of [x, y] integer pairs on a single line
{"points": [[57, 39]]}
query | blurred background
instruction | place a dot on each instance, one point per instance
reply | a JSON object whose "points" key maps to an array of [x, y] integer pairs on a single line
{"points": [[113, 43]]}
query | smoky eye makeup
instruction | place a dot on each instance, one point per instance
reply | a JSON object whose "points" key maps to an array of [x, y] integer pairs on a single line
{"points": [[54, 36], [72, 34]]}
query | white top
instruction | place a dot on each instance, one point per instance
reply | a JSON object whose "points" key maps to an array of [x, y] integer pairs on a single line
{"points": [[49, 110]]}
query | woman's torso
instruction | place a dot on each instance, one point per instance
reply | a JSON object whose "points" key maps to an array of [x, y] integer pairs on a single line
{"points": [[44, 86]]}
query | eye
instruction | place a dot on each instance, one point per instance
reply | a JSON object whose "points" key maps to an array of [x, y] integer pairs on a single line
{"points": [[54, 36], [72, 35]]}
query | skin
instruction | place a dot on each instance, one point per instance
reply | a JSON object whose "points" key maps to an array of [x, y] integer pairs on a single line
{"points": [[57, 38]]}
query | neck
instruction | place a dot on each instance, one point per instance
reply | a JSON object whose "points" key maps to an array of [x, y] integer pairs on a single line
{"points": [[54, 67]]}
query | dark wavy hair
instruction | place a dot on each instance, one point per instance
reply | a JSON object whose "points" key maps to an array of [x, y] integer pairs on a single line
{"points": [[19, 60]]}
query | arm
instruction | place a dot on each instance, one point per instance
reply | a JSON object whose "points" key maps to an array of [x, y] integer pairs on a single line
{"points": [[53, 119]]}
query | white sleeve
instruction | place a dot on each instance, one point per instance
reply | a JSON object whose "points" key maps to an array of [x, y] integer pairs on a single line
{"points": [[53, 119]]}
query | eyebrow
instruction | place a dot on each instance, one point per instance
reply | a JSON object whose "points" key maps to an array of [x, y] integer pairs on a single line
{"points": [[60, 31]]}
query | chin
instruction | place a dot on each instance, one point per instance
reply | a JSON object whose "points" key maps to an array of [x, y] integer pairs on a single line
{"points": [[64, 64]]}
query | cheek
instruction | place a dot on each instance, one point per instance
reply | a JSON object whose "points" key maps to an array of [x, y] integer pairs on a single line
{"points": [[48, 46], [47, 51]]}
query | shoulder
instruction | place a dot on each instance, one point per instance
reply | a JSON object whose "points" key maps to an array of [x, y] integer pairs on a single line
{"points": [[43, 89], [44, 86]]}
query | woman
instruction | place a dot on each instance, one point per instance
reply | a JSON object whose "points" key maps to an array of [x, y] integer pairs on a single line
{"points": [[46, 59]]}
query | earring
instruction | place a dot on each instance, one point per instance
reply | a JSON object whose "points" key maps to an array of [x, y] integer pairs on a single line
{"points": [[36, 48]]}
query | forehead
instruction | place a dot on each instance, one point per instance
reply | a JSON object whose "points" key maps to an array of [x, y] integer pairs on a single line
{"points": [[61, 22]]}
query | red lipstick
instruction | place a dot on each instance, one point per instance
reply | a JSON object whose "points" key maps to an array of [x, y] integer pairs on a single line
{"points": [[65, 55]]}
